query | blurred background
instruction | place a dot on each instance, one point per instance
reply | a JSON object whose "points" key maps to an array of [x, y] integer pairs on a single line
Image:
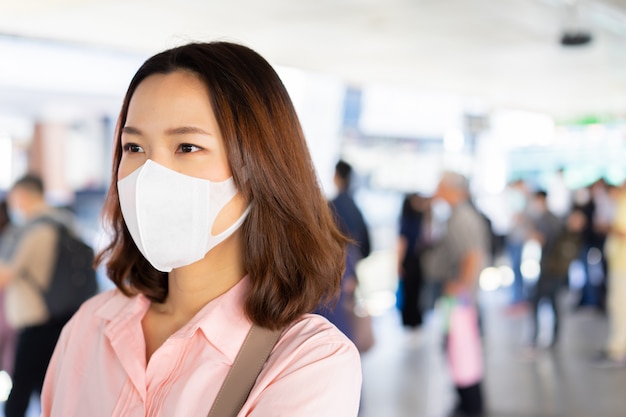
{"points": [[400, 89]]}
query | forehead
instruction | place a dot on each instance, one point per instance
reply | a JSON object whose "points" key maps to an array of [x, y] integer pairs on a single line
{"points": [[177, 88], [180, 78], [170, 102]]}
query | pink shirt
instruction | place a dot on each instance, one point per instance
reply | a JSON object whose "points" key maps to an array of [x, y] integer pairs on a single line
{"points": [[99, 365]]}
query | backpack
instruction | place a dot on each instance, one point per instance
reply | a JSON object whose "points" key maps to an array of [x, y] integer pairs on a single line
{"points": [[565, 249], [73, 278]]}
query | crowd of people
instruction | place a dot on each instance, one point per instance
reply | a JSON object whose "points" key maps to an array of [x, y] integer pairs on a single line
{"points": [[441, 264], [449, 264], [586, 228]]}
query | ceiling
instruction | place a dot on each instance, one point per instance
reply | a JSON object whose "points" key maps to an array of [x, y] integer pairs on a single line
{"points": [[505, 52]]}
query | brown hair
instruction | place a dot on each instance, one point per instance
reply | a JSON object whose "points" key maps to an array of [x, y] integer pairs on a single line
{"points": [[293, 251]]}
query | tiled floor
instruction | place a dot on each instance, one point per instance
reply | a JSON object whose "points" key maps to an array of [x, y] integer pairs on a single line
{"points": [[405, 374]]}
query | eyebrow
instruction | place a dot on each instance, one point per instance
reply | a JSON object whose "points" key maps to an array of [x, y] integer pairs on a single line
{"points": [[182, 130]]}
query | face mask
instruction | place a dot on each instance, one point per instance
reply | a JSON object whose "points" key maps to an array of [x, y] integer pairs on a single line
{"points": [[17, 217], [170, 215]]}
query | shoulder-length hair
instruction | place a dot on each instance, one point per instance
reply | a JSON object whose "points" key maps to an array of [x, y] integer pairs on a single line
{"points": [[293, 252]]}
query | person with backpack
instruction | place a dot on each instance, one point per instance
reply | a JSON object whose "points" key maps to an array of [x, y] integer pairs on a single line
{"points": [[560, 246], [25, 275]]}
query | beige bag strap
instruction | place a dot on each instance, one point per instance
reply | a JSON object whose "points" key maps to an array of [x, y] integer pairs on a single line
{"points": [[241, 378]]}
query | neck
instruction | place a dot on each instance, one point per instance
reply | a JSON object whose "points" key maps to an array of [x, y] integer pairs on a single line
{"points": [[193, 286]]}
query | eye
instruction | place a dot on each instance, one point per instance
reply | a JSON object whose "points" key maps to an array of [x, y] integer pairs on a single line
{"points": [[132, 148], [188, 148]]}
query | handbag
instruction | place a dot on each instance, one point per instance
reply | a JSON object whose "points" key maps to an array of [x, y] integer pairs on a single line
{"points": [[464, 345], [362, 329], [248, 363]]}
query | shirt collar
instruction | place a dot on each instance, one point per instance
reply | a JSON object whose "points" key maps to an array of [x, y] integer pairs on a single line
{"points": [[222, 321]]}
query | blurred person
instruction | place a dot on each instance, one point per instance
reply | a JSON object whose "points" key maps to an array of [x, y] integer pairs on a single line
{"points": [[462, 253], [350, 220], [614, 353], [517, 195], [560, 245], [8, 335], [604, 213], [592, 256], [412, 240], [609, 210], [34, 250], [347, 213], [219, 226]]}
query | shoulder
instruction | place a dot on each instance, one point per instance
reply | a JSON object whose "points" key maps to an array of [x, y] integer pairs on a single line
{"points": [[550, 221], [98, 310], [34, 236], [464, 215], [312, 338], [36, 226], [314, 327], [41, 227], [466, 210], [113, 297], [342, 200], [312, 359]]}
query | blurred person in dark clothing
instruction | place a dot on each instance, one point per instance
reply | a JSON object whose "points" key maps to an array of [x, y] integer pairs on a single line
{"points": [[560, 245], [346, 211], [462, 253], [602, 194], [351, 222], [8, 335], [412, 240], [595, 233]]}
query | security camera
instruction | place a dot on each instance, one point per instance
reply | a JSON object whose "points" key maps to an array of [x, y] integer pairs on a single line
{"points": [[576, 38]]}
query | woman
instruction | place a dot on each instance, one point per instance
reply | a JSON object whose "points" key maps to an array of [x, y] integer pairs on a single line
{"points": [[217, 223]]}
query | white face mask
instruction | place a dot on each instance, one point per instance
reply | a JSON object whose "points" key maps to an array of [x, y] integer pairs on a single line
{"points": [[17, 217], [170, 215]]}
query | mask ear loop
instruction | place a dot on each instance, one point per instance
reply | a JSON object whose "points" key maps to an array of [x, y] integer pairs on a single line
{"points": [[218, 238]]}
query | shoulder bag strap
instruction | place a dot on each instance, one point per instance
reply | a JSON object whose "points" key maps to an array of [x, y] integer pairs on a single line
{"points": [[241, 378]]}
